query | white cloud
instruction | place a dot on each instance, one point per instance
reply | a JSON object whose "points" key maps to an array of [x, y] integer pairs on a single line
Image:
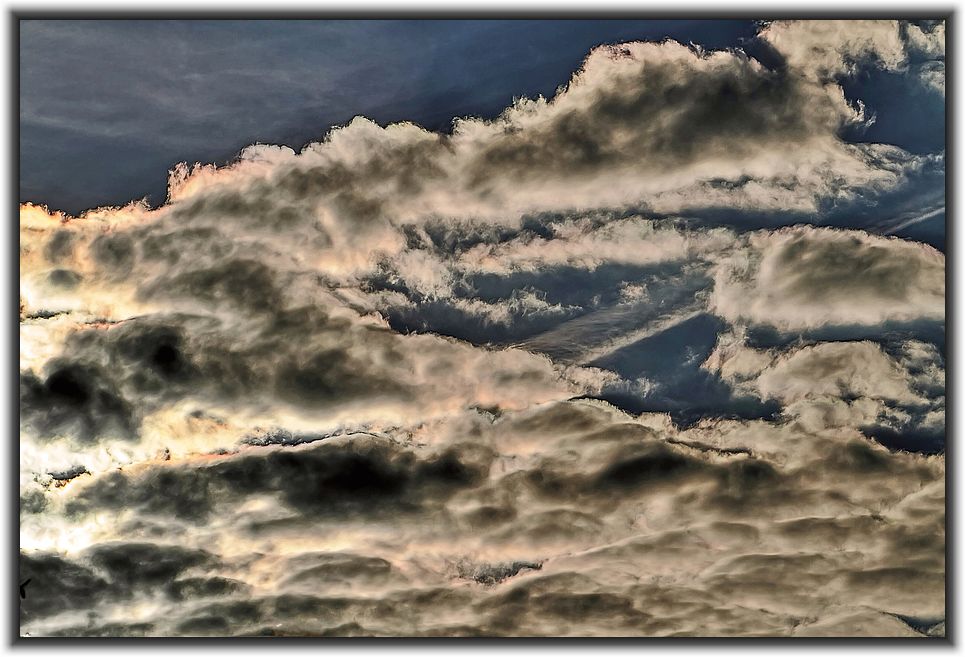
{"points": [[930, 43], [588, 243], [839, 384], [803, 277], [932, 75], [825, 48]]}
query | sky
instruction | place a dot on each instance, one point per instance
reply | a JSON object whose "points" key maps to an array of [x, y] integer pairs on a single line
{"points": [[482, 328], [117, 103]]}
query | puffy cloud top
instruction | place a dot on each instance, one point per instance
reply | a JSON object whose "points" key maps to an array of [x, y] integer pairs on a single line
{"points": [[804, 277]]}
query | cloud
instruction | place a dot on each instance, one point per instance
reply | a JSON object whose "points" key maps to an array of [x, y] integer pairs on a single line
{"points": [[272, 433], [825, 48], [107, 572], [804, 277], [833, 369], [933, 76], [587, 243], [519, 305], [336, 477], [842, 384], [631, 520], [929, 41], [631, 127], [146, 380]]}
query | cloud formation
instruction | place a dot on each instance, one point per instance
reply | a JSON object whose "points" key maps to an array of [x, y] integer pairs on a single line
{"points": [[843, 384], [407, 369], [826, 48], [801, 277], [629, 520], [929, 42]]}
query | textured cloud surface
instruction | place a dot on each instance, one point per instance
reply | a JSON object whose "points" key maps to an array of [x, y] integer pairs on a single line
{"points": [[802, 277], [608, 364]]}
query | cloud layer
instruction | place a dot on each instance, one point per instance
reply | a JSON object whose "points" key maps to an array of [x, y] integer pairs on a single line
{"points": [[628, 525], [549, 374]]}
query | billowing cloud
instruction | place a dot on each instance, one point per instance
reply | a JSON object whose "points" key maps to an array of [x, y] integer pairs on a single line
{"points": [[804, 277], [825, 48], [848, 384], [346, 390], [623, 518]]}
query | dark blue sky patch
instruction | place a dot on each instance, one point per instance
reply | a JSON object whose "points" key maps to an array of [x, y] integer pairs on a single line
{"points": [[442, 318], [888, 333], [915, 439], [669, 355], [599, 287], [907, 113], [671, 361]]}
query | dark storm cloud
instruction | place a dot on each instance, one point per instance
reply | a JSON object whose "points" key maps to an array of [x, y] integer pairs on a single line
{"points": [[75, 398], [108, 379], [626, 472], [357, 477]]}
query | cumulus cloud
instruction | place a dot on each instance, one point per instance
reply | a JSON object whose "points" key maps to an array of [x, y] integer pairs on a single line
{"points": [[841, 384], [825, 48], [804, 277]]}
